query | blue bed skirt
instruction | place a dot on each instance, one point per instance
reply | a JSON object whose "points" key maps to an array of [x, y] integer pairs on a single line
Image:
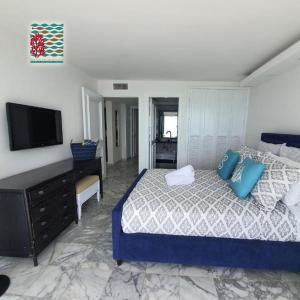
{"points": [[201, 251]]}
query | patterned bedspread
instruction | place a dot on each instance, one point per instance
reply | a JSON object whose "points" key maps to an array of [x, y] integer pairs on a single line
{"points": [[208, 207]]}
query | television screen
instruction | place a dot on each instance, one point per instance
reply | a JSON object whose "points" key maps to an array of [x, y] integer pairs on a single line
{"points": [[31, 127]]}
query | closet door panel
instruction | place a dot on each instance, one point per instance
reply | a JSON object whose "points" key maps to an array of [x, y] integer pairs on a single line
{"points": [[223, 121], [239, 113], [216, 124]]}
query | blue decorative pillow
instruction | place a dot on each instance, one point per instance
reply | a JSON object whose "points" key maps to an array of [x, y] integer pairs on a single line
{"points": [[245, 177], [227, 164]]}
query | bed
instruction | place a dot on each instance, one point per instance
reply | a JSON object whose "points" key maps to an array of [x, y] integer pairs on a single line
{"points": [[257, 249]]}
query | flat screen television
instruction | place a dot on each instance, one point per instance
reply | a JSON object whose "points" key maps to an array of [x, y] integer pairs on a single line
{"points": [[32, 127]]}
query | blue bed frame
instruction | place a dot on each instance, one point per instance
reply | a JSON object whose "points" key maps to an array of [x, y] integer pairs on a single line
{"points": [[205, 251]]}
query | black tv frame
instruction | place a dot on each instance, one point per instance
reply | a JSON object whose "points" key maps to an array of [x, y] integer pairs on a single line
{"points": [[59, 140]]}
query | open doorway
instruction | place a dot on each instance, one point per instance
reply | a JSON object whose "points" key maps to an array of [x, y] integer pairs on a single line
{"points": [[121, 129], [163, 132]]}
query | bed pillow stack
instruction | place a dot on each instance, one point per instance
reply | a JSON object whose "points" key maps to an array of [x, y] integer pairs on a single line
{"points": [[291, 153], [292, 197], [248, 152], [242, 170], [227, 164], [275, 182], [245, 177], [266, 176], [269, 147]]}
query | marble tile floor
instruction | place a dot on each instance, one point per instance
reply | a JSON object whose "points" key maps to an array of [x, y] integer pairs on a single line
{"points": [[79, 265]]}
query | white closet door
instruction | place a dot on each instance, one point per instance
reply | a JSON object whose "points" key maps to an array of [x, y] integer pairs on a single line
{"points": [[216, 123]]}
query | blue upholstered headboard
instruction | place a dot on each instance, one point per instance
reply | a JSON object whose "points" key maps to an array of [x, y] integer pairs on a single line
{"points": [[291, 140]]}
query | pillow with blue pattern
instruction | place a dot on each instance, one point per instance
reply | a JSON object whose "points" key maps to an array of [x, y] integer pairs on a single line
{"points": [[245, 177], [227, 164]]}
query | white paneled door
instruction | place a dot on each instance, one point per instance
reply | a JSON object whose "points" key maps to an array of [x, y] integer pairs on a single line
{"points": [[217, 121]]}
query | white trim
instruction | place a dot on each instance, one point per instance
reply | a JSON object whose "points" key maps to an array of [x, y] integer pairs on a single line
{"points": [[83, 111], [88, 117], [275, 66], [219, 87], [86, 95]]}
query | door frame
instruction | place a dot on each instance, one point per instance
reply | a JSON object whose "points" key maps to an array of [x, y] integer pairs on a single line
{"points": [[132, 109], [151, 130], [87, 96]]}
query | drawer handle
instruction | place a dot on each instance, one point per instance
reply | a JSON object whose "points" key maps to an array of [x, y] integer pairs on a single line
{"points": [[64, 181], [66, 195], [65, 206], [43, 223], [42, 209], [40, 193], [45, 236]]}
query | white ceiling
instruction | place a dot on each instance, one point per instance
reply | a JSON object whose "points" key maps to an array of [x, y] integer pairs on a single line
{"points": [[164, 39]]}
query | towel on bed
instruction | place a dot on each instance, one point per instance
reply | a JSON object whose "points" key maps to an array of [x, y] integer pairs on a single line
{"points": [[183, 176]]}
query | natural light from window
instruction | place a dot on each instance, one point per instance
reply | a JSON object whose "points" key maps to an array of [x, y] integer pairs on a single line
{"points": [[170, 124]]}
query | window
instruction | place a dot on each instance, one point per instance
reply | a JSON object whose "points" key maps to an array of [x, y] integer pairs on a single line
{"points": [[170, 124]]}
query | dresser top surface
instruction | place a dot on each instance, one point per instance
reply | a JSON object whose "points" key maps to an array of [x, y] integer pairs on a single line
{"points": [[29, 179]]}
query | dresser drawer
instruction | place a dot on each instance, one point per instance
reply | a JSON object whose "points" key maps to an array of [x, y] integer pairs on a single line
{"points": [[44, 191], [64, 181], [42, 224], [44, 237], [66, 194], [66, 206], [43, 209], [67, 218]]}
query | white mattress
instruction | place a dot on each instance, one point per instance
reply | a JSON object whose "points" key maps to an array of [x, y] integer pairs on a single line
{"points": [[208, 207]]}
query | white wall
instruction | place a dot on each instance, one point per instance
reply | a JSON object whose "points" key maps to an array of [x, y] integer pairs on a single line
{"points": [[50, 86], [274, 107], [146, 89]]}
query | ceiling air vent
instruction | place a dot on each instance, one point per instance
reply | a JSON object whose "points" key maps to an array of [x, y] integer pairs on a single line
{"points": [[120, 86]]}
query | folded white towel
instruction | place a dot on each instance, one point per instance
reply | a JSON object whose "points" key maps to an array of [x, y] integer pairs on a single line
{"points": [[179, 180], [185, 171], [183, 176]]}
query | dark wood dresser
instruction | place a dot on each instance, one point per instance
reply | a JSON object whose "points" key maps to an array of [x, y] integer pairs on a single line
{"points": [[37, 205]]}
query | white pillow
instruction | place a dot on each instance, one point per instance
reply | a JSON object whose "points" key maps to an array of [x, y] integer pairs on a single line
{"points": [[293, 195], [286, 161], [275, 182], [292, 153], [269, 147]]}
